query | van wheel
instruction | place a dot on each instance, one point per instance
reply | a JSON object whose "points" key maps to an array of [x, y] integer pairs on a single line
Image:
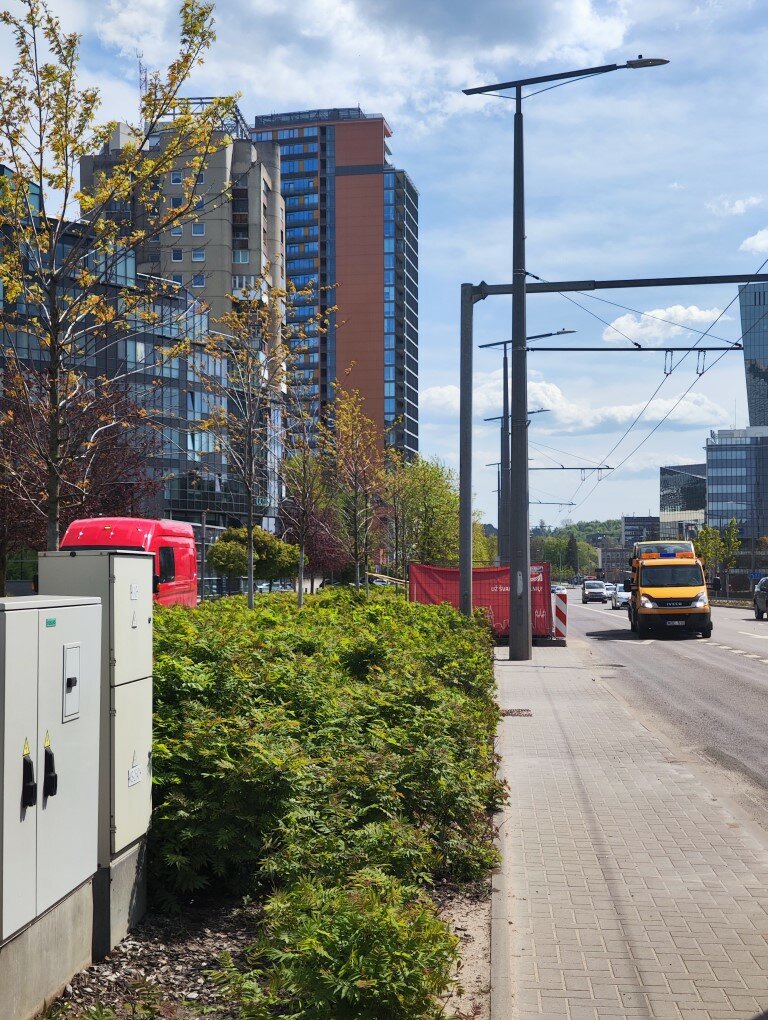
{"points": [[632, 622], [642, 628], [707, 632], [759, 614]]}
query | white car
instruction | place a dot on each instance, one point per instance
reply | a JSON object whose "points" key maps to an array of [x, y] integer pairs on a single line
{"points": [[610, 588], [619, 598]]}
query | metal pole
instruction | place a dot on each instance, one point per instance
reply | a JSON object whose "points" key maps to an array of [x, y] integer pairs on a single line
{"points": [[204, 517], [519, 542], [504, 486], [465, 451]]}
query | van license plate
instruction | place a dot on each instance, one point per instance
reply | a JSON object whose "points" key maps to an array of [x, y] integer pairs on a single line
{"points": [[675, 623]]}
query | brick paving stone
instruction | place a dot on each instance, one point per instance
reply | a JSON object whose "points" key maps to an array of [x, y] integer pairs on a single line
{"points": [[631, 890]]}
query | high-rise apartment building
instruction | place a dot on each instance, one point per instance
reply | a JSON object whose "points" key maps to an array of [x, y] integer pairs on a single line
{"points": [[753, 305], [351, 223], [233, 240], [237, 233]]}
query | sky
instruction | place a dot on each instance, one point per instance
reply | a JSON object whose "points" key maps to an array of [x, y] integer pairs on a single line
{"points": [[637, 173]]}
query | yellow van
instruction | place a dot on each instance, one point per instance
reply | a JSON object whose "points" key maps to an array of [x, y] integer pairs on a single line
{"points": [[668, 592]]}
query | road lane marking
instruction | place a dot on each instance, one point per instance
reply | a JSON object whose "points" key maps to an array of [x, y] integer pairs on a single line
{"points": [[758, 637], [751, 656], [739, 651]]}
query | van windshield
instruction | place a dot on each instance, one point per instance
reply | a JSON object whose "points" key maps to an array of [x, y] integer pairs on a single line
{"points": [[674, 576], [594, 584]]}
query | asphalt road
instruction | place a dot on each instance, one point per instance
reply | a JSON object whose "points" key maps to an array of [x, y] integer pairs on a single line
{"points": [[708, 698]]}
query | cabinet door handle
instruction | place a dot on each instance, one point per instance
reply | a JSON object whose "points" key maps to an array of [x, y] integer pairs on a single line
{"points": [[28, 784]]}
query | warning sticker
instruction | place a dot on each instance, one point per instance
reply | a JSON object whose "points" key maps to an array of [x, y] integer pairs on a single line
{"points": [[26, 747], [47, 741]]}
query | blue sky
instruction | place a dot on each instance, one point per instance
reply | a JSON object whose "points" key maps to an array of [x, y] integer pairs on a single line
{"points": [[635, 173]]}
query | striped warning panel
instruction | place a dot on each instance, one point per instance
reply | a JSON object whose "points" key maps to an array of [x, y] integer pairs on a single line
{"points": [[561, 616]]}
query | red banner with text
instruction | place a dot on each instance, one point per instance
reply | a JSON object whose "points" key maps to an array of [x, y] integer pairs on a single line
{"points": [[490, 591]]}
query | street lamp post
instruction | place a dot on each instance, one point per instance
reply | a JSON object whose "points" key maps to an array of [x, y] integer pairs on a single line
{"points": [[519, 527]]}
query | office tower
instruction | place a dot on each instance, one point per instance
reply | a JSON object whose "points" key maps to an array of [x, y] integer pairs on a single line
{"points": [[351, 222], [737, 480], [753, 305], [682, 500], [638, 529]]}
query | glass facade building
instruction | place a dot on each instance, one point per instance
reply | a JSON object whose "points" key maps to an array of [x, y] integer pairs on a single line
{"points": [[737, 480], [682, 500], [351, 219], [753, 305], [638, 529]]}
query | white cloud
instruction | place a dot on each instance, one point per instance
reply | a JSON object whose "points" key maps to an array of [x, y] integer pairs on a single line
{"points": [[661, 324], [757, 244], [567, 416], [735, 207]]}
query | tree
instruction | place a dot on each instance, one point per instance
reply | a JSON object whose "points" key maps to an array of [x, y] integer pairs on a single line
{"points": [[572, 553], [232, 554], [67, 256], [709, 547], [351, 448], [306, 498], [422, 512], [731, 544]]}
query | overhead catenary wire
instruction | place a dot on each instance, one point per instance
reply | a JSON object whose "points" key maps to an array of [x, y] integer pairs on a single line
{"points": [[676, 403]]}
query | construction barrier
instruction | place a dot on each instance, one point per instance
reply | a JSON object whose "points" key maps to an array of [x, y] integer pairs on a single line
{"points": [[561, 617], [490, 590]]}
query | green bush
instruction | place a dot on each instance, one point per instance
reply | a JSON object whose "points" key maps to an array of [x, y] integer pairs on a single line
{"points": [[369, 950], [296, 750]]}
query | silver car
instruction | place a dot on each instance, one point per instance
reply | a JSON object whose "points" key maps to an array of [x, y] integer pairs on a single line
{"points": [[619, 598]]}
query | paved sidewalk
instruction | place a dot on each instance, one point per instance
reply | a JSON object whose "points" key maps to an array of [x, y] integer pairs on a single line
{"points": [[626, 889]]}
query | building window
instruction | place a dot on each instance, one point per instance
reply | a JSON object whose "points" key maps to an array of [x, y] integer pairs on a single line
{"points": [[176, 177], [201, 178], [199, 203], [177, 231], [178, 278], [198, 230], [177, 255], [176, 202], [198, 254], [262, 136], [241, 256], [198, 280], [288, 133]]}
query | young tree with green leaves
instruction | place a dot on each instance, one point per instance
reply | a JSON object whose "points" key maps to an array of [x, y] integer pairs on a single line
{"points": [[731, 543], [709, 548], [66, 258], [232, 553], [351, 447]]}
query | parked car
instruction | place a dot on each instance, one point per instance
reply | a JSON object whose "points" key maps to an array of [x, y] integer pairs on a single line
{"points": [[610, 588], [559, 589], [594, 591], [619, 597], [760, 598]]}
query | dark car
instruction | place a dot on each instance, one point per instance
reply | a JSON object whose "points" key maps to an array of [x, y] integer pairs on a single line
{"points": [[761, 598]]}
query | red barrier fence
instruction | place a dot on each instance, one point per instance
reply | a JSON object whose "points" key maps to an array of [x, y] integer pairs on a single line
{"points": [[490, 590]]}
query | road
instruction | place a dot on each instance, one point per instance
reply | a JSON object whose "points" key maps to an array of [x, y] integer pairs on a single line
{"points": [[709, 698]]}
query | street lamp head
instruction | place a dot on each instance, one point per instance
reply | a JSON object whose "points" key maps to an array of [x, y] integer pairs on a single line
{"points": [[646, 62]]}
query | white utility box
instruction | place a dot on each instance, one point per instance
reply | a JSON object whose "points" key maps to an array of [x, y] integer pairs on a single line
{"points": [[50, 648], [123, 581]]}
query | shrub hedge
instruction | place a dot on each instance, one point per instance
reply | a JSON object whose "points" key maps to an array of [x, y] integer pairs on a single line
{"points": [[336, 761]]}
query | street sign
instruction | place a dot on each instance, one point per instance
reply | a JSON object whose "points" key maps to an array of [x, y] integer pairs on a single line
{"points": [[262, 501], [756, 575]]}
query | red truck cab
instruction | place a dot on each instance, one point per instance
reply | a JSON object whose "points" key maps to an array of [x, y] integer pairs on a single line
{"points": [[171, 542]]}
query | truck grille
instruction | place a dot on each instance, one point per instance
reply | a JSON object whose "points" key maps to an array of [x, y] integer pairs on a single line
{"points": [[673, 603]]}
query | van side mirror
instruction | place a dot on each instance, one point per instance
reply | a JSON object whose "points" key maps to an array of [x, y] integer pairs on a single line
{"points": [[627, 586], [155, 584]]}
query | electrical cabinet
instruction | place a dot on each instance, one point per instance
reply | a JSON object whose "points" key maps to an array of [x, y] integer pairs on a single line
{"points": [[123, 581], [49, 728]]}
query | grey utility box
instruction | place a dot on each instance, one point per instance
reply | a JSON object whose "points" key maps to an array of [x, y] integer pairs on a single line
{"points": [[49, 728], [123, 581]]}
